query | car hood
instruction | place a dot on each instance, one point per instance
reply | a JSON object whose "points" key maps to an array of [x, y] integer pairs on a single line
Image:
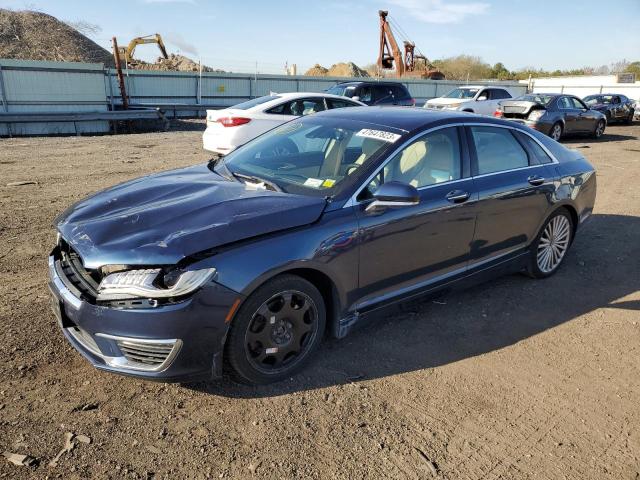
{"points": [[448, 101], [599, 106], [162, 218]]}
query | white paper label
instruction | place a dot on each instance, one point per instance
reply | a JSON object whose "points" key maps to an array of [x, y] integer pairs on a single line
{"points": [[313, 182], [378, 135]]}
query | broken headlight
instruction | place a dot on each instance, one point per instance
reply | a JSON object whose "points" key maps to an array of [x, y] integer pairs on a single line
{"points": [[151, 283]]}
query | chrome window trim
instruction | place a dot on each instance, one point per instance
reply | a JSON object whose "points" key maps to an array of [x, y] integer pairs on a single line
{"points": [[352, 200]]}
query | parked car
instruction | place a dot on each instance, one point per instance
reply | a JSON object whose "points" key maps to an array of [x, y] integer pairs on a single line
{"points": [[250, 259], [473, 99], [375, 93], [231, 127], [616, 107], [553, 114]]}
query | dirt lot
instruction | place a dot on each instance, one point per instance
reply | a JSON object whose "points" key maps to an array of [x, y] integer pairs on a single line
{"points": [[513, 379]]}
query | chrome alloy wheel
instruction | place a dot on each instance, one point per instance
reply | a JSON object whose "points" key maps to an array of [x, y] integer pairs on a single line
{"points": [[554, 243], [556, 132]]}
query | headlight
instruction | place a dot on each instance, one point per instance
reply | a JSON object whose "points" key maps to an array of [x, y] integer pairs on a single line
{"points": [[536, 115], [145, 284]]}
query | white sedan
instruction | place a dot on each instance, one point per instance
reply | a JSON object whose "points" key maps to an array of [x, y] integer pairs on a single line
{"points": [[474, 99], [231, 127]]}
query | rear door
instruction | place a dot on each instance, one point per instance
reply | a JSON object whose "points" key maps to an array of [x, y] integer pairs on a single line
{"points": [[514, 184]]}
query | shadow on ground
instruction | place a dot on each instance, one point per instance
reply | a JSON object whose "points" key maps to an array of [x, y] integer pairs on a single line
{"points": [[602, 267]]}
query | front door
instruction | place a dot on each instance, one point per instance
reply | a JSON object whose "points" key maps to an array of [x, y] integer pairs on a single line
{"points": [[404, 249]]}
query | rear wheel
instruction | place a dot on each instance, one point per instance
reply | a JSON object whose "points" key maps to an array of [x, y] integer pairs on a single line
{"points": [[599, 131], [551, 245], [276, 330], [629, 119], [556, 131]]}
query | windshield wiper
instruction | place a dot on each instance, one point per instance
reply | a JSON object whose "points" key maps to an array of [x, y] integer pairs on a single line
{"points": [[257, 180]]}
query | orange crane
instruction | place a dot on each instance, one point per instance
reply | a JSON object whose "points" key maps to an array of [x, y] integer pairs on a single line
{"points": [[389, 55]]}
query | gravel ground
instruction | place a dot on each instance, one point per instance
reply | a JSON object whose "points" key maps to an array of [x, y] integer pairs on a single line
{"points": [[513, 379]]}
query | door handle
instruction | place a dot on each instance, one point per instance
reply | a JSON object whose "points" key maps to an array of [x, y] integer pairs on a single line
{"points": [[535, 180], [457, 196]]}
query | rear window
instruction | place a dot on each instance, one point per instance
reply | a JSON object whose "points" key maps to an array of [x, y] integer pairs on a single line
{"points": [[541, 99], [256, 101]]}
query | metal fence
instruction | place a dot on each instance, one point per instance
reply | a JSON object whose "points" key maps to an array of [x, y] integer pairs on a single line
{"points": [[54, 87], [216, 90]]}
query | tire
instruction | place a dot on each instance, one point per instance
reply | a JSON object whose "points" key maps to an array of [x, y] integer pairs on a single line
{"points": [[599, 130], [541, 265], [556, 131], [259, 351]]}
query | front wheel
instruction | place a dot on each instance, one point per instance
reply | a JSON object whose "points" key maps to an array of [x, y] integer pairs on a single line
{"points": [[556, 131], [551, 245], [276, 330], [599, 131]]}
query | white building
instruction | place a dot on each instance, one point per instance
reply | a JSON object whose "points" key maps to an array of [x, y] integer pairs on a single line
{"points": [[584, 85]]}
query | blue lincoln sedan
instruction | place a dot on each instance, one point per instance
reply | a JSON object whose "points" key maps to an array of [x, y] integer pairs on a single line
{"points": [[248, 261]]}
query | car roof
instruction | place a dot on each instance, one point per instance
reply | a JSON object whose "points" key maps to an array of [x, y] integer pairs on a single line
{"points": [[372, 82], [406, 118], [283, 97]]}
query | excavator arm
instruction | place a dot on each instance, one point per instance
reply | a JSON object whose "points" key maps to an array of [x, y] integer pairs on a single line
{"points": [[389, 53], [128, 51]]}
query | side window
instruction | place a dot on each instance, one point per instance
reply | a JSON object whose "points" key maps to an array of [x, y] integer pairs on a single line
{"points": [[431, 159], [383, 94], [497, 150], [365, 94], [616, 99], [333, 103], [483, 95], [537, 154], [577, 103], [565, 103], [499, 94], [399, 93], [303, 106]]}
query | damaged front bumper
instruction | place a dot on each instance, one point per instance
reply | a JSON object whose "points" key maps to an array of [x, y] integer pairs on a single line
{"points": [[176, 342]]}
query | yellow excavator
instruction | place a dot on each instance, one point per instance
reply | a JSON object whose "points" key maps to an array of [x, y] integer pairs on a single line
{"points": [[126, 53]]}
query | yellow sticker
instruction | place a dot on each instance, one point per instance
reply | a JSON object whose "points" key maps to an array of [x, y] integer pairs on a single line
{"points": [[328, 183]]}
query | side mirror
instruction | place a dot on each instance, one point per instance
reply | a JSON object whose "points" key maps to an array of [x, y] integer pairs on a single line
{"points": [[356, 98], [481, 98], [393, 195]]}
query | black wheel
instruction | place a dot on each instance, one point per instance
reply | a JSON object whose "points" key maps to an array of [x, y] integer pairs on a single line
{"points": [[599, 131], [276, 330], [556, 131], [551, 245]]}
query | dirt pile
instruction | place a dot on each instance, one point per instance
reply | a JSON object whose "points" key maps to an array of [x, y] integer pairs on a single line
{"points": [[27, 35], [348, 69], [316, 71], [175, 62]]}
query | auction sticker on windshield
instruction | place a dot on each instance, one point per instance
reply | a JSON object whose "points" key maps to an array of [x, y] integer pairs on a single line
{"points": [[378, 135]]}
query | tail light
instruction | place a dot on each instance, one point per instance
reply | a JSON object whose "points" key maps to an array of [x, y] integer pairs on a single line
{"points": [[233, 121], [498, 113]]}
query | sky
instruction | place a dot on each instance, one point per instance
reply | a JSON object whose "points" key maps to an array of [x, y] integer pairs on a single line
{"points": [[243, 35]]}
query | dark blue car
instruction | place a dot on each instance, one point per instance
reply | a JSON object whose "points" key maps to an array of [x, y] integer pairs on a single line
{"points": [[250, 260]]}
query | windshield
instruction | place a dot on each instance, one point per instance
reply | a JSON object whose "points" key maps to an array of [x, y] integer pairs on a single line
{"points": [[308, 156], [541, 99], [256, 101], [462, 93], [599, 99]]}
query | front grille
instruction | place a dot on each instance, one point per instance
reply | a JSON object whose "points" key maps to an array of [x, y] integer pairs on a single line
{"points": [[84, 281], [147, 355]]}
